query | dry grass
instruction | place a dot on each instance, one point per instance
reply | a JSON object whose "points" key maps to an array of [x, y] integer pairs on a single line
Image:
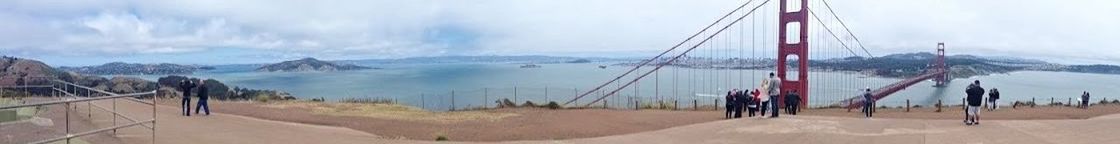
{"points": [[390, 111]]}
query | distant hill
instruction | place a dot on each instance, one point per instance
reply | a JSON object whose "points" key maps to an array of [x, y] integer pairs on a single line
{"points": [[482, 59], [121, 68], [308, 64], [15, 71]]}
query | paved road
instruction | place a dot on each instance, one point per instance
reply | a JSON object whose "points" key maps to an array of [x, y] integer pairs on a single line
{"points": [[223, 128]]}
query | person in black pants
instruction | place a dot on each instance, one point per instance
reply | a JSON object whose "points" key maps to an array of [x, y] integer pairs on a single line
{"points": [[730, 105], [186, 86], [792, 102], [203, 95]]}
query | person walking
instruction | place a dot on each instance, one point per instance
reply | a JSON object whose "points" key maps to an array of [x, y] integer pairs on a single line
{"points": [[993, 95], [868, 103], [975, 96], [185, 86], [793, 100], [730, 104], [203, 96], [752, 103], [774, 92]]}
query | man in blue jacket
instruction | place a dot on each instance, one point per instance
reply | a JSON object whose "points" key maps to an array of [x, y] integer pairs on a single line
{"points": [[203, 95]]}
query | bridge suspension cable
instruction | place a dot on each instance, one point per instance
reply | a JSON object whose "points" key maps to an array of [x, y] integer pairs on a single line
{"points": [[645, 62], [826, 5], [660, 65]]}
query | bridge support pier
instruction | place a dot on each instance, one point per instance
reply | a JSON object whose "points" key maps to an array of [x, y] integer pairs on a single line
{"points": [[800, 49]]}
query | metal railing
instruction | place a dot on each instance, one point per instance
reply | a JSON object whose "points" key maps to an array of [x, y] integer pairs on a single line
{"points": [[70, 93]]}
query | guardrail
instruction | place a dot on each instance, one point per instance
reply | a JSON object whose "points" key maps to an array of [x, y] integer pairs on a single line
{"points": [[69, 93]]}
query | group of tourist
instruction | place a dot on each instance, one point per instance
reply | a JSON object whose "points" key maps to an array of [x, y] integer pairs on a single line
{"points": [[759, 100], [203, 95]]}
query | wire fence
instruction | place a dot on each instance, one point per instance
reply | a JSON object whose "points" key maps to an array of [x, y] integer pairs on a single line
{"points": [[482, 98]]}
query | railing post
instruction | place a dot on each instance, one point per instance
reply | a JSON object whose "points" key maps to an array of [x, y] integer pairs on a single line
{"points": [[1069, 102], [546, 94], [716, 105], [115, 113], [1051, 101], [1033, 102], [514, 94], [67, 121]]}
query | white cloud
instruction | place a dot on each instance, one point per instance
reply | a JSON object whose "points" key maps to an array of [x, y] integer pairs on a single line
{"points": [[1057, 30]]}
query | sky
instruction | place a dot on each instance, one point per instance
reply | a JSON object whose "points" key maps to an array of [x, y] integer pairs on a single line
{"points": [[92, 32]]}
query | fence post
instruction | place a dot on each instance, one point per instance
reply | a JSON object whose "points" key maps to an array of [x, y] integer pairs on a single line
{"points": [[422, 104], [907, 105], [637, 104], [676, 105], [1033, 103], [1069, 102], [964, 104], [546, 94], [1051, 101], [485, 97], [939, 105], [716, 105], [515, 94], [695, 105], [452, 100], [605, 104]]}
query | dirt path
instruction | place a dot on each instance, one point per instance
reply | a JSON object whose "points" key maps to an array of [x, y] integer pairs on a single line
{"points": [[224, 128], [524, 124]]}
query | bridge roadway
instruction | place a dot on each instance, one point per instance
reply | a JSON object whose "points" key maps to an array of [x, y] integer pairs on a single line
{"points": [[878, 94]]}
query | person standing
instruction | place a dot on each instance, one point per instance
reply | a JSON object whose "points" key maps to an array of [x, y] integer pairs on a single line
{"points": [[203, 95], [730, 104], [868, 103], [993, 95], [775, 90], [740, 103], [975, 96], [1085, 100], [752, 103], [764, 98], [185, 86], [792, 102]]}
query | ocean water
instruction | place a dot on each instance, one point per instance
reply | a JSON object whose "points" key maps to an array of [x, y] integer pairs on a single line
{"points": [[447, 86]]}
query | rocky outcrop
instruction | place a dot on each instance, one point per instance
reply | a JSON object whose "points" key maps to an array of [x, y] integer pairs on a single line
{"points": [[308, 64]]}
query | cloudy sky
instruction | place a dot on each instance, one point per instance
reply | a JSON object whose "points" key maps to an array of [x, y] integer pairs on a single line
{"points": [[88, 32]]}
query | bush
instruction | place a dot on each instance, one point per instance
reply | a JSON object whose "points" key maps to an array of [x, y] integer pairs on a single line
{"points": [[506, 103], [553, 105], [442, 138], [917, 106], [529, 104]]}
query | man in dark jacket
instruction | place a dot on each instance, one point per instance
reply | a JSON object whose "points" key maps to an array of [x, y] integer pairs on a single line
{"points": [[993, 95], [203, 95], [868, 103], [185, 86], [730, 105], [975, 97], [793, 100]]}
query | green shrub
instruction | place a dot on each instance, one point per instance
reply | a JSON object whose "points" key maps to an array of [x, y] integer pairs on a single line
{"points": [[442, 138]]}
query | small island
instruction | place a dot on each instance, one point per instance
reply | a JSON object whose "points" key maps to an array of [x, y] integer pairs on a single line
{"points": [[308, 64]]}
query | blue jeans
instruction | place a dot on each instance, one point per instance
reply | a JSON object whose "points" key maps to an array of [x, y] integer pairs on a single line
{"points": [[774, 106], [202, 104]]}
